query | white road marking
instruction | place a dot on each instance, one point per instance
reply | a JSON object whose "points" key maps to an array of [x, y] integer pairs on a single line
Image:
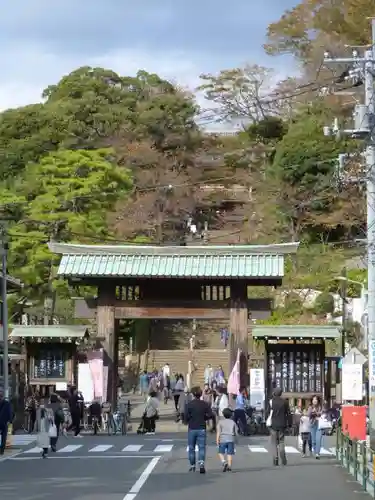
{"points": [[323, 451], [70, 448], [136, 488], [34, 450], [100, 448], [291, 450], [163, 448], [80, 457], [133, 447], [258, 449]]}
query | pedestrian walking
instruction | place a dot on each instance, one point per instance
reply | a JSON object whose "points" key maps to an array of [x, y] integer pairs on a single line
{"points": [[278, 420], [151, 413], [75, 412], [58, 417], [6, 415], [225, 439], [198, 412], [305, 433], [314, 413], [47, 430]]}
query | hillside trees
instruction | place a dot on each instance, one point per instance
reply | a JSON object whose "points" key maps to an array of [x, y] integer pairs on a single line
{"points": [[304, 167], [317, 25], [66, 197]]}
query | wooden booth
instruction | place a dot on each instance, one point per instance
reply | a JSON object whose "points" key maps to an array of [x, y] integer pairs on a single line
{"points": [[205, 282], [294, 360], [50, 353]]}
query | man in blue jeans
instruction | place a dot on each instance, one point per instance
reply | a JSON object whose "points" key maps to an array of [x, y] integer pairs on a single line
{"points": [[198, 412]]}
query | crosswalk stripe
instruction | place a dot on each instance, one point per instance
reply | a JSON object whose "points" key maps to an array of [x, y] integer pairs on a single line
{"points": [[34, 450], [258, 449], [100, 448], [163, 448], [70, 448], [133, 447], [291, 450], [323, 451]]}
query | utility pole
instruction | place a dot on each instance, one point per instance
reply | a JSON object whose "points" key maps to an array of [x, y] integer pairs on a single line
{"points": [[363, 69], [3, 252], [344, 293]]}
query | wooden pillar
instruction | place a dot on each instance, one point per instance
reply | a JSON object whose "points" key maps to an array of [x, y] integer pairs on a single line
{"points": [[106, 333], [239, 329]]}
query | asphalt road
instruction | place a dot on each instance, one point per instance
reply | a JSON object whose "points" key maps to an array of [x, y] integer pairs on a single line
{"points": [[139, 467]]}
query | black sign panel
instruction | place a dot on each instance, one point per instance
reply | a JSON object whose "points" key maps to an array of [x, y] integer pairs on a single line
{"points": [[49, 364], [298, 369], [295, 368], [278, 366]]}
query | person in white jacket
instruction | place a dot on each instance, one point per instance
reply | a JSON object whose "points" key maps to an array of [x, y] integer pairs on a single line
{"points": [[222, 400]]}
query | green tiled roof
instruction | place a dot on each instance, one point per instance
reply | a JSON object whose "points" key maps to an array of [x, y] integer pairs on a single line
{"points": [[242, 261], [296, 331], [199, 266], [52, 331]]}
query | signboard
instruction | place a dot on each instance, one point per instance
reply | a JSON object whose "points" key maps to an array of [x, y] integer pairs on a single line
{"points": [[296, 369], [257, 394], [354, 357], [49, 364], [352, 380]]}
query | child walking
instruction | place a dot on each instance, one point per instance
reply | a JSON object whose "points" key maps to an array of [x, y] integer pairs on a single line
{"points": [[225, 439], [305, 432]]}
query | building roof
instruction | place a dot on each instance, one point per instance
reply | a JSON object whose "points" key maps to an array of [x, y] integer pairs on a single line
{"points": [[49, 331], [296, 331], [237, 261]]}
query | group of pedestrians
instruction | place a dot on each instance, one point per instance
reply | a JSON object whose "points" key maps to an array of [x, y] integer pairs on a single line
{"points": [[313, 423], [196, 415]]}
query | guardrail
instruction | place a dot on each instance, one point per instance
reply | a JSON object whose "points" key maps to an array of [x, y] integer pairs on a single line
{"points": [[358, 459]]}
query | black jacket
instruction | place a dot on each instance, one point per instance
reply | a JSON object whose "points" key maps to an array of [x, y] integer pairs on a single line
{"points": [[6, 413], [281, 417], [197, 414]]}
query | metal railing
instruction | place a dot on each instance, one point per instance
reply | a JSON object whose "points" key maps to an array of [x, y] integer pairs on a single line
{"points": [[358, 460]]}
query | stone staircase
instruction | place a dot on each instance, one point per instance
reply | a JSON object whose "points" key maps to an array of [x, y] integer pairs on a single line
{"points": [[178, 360], [214, 357]]}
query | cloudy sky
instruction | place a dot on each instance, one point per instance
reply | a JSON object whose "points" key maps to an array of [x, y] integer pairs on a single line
{"points": [[43, 40]]}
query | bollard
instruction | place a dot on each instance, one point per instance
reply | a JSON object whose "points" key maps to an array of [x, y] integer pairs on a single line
{"points": [[8, 443], [355, 458]]}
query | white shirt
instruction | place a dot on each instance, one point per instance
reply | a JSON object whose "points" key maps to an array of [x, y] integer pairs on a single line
{"points": [[223, 403], [166, 370]]}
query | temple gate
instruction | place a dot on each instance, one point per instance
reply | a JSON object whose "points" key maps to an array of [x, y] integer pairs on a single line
{"points": [[209, 282]]}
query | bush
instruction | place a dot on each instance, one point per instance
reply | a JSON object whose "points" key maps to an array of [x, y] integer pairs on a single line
{"points": [[324, 304]]}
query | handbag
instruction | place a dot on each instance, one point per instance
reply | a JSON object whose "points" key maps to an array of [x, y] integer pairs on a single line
{"points": [[52, 431], [324, 424]]}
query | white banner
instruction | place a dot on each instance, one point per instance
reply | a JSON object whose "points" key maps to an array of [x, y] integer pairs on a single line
{"points": [[257, 393], [256, 380], [352, 381]]}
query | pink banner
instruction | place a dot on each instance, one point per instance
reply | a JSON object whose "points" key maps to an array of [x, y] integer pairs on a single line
{"points": [[234, 377], [97, 375]]}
